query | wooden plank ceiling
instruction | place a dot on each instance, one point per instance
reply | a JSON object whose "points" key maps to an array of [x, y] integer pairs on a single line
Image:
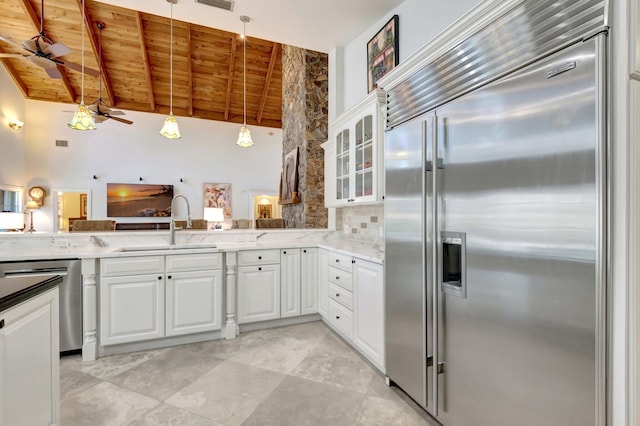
{"points": [[207, 62]]}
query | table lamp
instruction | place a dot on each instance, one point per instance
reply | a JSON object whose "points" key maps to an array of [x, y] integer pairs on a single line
{"points": [[11, 221], [216, 215], [31, 206]]}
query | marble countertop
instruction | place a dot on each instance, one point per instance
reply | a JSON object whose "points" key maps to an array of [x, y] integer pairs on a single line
{"points": [[99, 245]]}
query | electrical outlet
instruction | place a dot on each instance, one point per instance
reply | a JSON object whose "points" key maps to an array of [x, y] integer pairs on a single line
{"points": [[345, 229], [381, 231]]}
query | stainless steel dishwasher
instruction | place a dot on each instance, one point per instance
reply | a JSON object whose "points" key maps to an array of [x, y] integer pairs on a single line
{"points": [[70, 295]]}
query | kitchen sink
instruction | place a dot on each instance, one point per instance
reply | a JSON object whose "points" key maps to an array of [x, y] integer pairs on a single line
{"points": [[167, 248]]}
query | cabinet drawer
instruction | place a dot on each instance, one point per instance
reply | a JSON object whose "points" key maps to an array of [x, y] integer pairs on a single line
{"points": [[340, 295], [258, 257], [341, 261], [194, 262], [340, 277], [113, 267], [341, 318]]}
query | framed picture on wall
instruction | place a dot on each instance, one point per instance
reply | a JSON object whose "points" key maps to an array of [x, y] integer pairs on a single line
{"points": [[218, 195], [382, 52], [83, 205]]}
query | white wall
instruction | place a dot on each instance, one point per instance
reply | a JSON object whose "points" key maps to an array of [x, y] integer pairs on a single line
{"points": [[119, 153], [419, 22], [12, 106]]}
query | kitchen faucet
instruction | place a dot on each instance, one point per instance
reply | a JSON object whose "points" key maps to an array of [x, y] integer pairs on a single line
{"points": [[172, 225]]}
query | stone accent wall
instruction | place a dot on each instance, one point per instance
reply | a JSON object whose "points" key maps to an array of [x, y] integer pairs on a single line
{"points": [[305, 100]]}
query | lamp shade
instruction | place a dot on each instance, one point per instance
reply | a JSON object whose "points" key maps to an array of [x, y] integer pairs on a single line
{"points": [[82, 119], [32, 205], [170, 128], [244, 138], [213, 214], [11, 220]]}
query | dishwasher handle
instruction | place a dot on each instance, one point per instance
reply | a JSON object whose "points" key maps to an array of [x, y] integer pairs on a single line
{"points": [[44, 272]]}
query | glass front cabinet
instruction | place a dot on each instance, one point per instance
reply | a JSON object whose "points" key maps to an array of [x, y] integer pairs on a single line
{"points": [[353, 157]]}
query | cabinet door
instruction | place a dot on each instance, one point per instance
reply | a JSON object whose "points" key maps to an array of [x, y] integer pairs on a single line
{"points": [[258, 293], [368, 311], [323, 282], [29, 359], [194, 302], [309, 281], [131, 308], [290, 283], [344, 168], [365, 154]]}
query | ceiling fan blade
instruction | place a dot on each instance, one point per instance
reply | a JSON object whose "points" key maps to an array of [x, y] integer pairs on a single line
{"points": [[115, 112], [100, 118], [57, 49], [13, 55], [77, 67], [53, 72], [121, 120]]}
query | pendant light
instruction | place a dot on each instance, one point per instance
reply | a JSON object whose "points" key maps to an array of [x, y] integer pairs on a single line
{"points": [[244, 138], [170, 128], [82, 118]]}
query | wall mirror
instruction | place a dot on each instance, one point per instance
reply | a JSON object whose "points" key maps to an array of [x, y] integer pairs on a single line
{"points": [[11, 198], [70, 205]]}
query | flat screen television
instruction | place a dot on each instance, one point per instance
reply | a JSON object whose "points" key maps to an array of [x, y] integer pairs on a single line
{"points": [[138, 200]]}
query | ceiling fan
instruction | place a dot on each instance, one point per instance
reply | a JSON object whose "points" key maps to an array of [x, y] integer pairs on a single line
{"points": [[45, 53], [99, 109]]}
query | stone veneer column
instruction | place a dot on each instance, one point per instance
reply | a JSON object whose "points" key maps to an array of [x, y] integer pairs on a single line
{"points": [[305, 94]]}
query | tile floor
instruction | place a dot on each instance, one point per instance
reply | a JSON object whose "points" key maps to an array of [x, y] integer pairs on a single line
{"points": [[296, 375]]}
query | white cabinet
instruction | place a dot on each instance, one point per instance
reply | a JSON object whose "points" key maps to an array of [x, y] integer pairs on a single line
{"points": [[29, 362], [132, 308], [149, 297], [309, 278], [323, 282], [368, 309], [340, 287], [290, 283], [353, 156], [258, 285]]}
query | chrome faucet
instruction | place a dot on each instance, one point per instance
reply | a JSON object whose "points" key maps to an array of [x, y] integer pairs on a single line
{"points": [[172, 225]]}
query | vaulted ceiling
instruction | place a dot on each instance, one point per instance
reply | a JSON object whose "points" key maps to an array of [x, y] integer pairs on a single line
{"points": [[207, 63]]}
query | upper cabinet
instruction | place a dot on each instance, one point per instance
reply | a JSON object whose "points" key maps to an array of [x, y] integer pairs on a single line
{"points": [[353, 160]]}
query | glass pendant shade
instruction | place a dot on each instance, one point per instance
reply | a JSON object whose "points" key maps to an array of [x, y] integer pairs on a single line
{"points": [[244, 138], [170, 128], [82, 119]]}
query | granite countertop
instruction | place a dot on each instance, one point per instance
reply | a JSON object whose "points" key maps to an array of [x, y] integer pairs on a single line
{"points": [[100, 245], [16, 290]]}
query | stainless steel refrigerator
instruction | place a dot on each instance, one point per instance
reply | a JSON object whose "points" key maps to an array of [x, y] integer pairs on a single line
{"points": [[495, 232]]}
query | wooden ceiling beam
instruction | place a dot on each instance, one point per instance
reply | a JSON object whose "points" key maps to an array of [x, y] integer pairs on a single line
{"points": [[232, 65], [106, 81], [267, 81], [190, 72], [67, 87], [15, 76], [145, 60]]}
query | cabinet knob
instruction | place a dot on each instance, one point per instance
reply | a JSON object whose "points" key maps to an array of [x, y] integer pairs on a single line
{"points": [[337, 260], [284, 252], [337, 316], [259, 257], [353, 261], [159, 278], [169, 277], [260, 269], [2, 323], [337, 278], [337, 294], [304, 251]]}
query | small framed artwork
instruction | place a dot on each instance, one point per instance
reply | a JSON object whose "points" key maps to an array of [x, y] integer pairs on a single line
{"points": [[218, 195], [83, 205], [289, 179], [382, 52]]}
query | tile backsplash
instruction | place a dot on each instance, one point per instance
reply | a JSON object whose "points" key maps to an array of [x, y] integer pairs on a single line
{"points": [[362, 223]]}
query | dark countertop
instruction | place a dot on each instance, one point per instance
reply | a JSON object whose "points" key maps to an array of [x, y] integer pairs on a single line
{"points": [[17, 290]]}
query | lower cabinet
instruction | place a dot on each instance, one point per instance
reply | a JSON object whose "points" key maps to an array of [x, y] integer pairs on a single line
{"points": [[290, 284], [309, 279], [132, 308], [258, 293], [323, 282], [150, 297], [354, 301], [29, 362]]}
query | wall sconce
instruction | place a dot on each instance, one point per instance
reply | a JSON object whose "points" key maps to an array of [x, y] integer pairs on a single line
{"points": [[216, 215], [16, 124]]}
